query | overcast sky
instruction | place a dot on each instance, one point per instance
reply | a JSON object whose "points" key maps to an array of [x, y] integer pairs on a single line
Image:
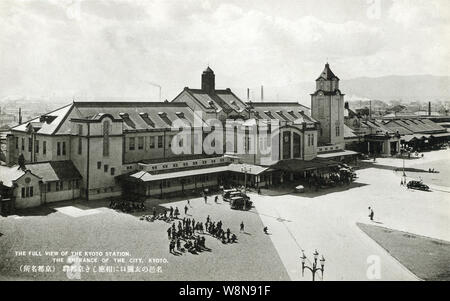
{"points": [[96, 48]]}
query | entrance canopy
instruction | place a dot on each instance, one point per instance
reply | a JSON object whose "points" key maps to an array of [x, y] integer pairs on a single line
{"points": [[440, 135], [249, 168], [145, 176], [297, 165], [337, 154]]}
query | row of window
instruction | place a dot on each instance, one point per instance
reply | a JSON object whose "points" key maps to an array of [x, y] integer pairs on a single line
{"points": [[30, 145], [102, 190], [60, 146], [60, 185], [112, 170], [185, 164], [27, 192], [184, 181], [140, 142]]}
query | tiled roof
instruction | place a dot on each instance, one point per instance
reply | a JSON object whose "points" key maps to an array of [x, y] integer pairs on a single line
{"points": [[377, 128], [327, 74], [398, 128], [224, 100], [418, 125], [10, 174], [283, 111], [55, 170], [141, 115], [348, 132], [43, 170], [49, 127], [65, 170]]}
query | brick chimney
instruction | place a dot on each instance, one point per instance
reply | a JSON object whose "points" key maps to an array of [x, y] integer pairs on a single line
{"points": [[208, 81]]}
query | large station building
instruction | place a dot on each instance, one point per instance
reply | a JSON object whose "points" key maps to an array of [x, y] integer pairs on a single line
{"points": [[94, 150]]}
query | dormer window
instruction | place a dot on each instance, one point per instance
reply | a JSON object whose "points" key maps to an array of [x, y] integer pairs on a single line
{"points": [[163, 116], [147, 119], [126, 118], [47, 119], [268, 113]]}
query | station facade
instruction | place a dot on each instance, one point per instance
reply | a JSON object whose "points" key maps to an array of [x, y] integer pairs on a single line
{"points": [[141, 148]]}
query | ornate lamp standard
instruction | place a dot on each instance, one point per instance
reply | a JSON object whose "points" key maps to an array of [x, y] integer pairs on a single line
{"points": [[314, 267]]}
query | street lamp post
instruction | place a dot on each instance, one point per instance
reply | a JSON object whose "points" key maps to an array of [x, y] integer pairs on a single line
{"points": [[314, 267]]}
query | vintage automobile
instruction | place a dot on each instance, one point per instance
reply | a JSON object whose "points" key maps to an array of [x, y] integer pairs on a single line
{"points": [[419, 185], [240, 203], [299, 189], [232, 193]]}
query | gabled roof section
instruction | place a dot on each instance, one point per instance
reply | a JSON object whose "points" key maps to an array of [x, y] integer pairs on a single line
{"points": [[220, 100], [47, 124], [415, 126], [9, 174], [54, 170], [139, 116], [283, 111], [327, 74]]}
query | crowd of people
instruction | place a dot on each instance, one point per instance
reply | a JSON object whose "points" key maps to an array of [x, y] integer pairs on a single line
{"points": [[187, 234], [185, 237], [330, 179], [126, 206], [216, 230]]}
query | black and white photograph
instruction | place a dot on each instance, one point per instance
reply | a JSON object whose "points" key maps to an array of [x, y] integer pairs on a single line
{"points": [[237, 140]]}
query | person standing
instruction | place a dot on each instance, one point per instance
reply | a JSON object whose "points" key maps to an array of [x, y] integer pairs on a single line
{"points": [[178, 244], [206, 198], [371, 214], [242, 227], [185, 210]]}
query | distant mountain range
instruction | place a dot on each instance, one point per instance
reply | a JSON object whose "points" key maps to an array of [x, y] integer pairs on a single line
{"points": [[422, 88], [419, 88]]}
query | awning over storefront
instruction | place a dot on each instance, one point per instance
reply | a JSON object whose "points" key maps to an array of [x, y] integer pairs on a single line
{"points": [[251, 169], [145, 176], [298, 165], [408, 138], [337, 154], [441, 135]]}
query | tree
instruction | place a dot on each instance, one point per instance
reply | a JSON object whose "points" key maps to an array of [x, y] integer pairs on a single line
{"points": [[21, 161]]}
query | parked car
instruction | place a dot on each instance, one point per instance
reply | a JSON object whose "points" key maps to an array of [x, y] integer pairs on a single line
{"points": [[419, 185], [240, 203], [300, 188], [232, 193]]}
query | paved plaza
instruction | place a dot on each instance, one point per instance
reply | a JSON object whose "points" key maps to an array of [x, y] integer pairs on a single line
{"points": [[325, 220]]}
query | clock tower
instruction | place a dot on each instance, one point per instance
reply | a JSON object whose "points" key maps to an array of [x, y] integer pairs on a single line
{"points": [[327, 107]]}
